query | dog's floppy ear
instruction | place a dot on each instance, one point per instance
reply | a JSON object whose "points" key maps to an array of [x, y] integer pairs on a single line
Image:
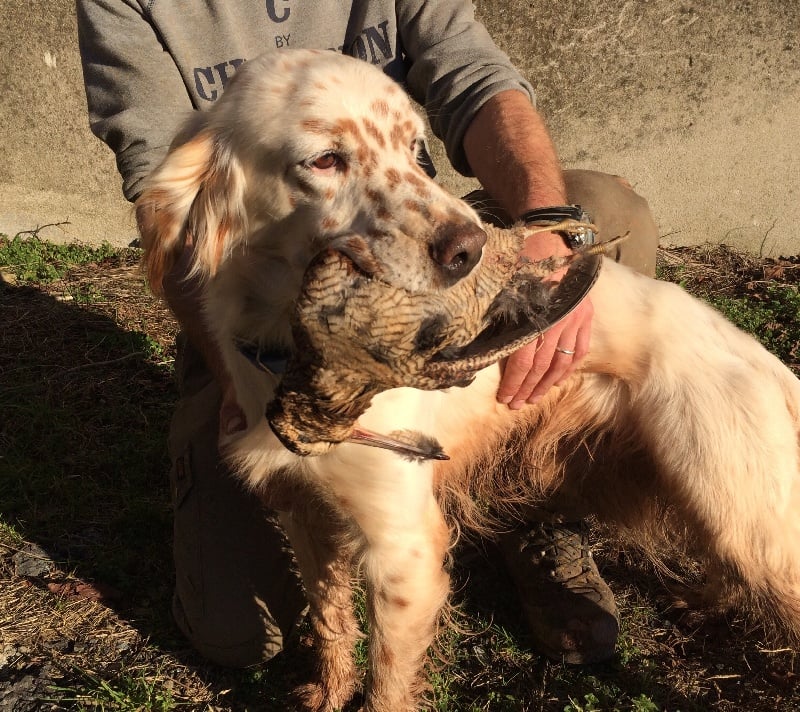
{"points": [[195, 197]]}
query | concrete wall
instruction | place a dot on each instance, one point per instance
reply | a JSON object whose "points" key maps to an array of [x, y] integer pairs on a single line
{"points": [[695, 102], [52, 169]]}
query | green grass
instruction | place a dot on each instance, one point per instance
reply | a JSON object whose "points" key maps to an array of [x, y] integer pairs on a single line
{"points": [[124, 693], [773, 317], [86, 407], [33, 260]]}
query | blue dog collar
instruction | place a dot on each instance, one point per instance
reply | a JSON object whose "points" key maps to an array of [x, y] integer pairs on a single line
{"points": [[270, 360]]}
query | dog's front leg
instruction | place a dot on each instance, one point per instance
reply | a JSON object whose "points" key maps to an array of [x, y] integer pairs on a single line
{"points": [[324, 546], [406, 541], [406, 588]]}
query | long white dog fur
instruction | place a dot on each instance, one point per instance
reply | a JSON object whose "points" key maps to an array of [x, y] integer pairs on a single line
{"points": [[674, 409]]}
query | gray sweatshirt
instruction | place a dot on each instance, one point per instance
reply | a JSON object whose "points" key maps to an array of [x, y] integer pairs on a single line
{"points": [[148, 63]]}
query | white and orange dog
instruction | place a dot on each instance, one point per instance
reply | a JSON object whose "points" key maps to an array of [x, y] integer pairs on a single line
{"points": [[673, 410]]}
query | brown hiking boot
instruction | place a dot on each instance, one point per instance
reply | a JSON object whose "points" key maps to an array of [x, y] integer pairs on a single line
{"points": [[569, 609]]}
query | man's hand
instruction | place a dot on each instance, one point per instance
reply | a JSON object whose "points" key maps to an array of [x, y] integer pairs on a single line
{"points": [[531, 371]]}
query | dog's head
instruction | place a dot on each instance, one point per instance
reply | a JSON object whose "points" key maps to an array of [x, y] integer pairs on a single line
{"points": [[308, 149]]}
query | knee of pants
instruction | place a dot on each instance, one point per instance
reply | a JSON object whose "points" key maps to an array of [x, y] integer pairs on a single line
{"points": [[215, 640], [617, 209]]}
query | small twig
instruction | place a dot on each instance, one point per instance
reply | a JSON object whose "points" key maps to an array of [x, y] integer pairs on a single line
{"points": [[766, 234], [35, 232], [105, 363]]}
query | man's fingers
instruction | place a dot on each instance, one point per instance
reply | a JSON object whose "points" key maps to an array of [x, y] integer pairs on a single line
{"points": [[562, 353], [530, 372], [582, 341], [515, 370]]}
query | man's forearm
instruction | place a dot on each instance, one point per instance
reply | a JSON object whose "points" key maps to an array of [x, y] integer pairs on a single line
{"points": [[510, 152]]}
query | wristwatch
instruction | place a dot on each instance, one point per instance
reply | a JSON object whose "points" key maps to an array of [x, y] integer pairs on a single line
{"points": [[554, 214]]}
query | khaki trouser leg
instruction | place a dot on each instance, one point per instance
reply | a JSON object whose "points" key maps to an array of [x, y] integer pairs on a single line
{"points": [[616, 209], [237, 594]]}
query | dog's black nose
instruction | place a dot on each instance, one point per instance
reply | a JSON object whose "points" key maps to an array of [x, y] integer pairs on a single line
{"points": [[456, 249]]}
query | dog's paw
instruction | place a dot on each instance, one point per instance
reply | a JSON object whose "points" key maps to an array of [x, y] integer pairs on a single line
{"points": [[320, 697]]}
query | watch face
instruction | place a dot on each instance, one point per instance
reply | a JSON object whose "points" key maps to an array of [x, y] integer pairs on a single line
{"points": [[583, 237]]}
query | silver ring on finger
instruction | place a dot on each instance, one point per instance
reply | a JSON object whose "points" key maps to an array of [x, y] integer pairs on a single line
{"points": [[568, 352]]}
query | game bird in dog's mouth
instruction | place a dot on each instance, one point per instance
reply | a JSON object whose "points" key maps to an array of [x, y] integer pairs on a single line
{"points": [[357, 335]]}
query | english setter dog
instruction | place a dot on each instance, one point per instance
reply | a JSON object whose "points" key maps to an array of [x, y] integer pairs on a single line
{"points": [[674, 409]]}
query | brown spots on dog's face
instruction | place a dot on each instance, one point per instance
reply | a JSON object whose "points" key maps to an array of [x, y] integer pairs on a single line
{"points": [[396, 137], [318, 126], [347, 127], [393, 178], [418, 207], [419, 183], [379, 205], [367, 158], [416, 179], [402, 134], [374, 132]]}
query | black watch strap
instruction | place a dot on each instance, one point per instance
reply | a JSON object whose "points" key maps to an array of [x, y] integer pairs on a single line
{"points": [[554, 214]]}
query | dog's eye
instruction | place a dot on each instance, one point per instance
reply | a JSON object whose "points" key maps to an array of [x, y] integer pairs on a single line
{"points": [[328, 161]]}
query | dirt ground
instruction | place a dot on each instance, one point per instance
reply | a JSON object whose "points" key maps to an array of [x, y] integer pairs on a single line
{"points": [[85, 587]]}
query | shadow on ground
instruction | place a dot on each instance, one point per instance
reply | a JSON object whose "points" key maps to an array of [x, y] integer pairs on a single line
{"points": [[85, 587]]}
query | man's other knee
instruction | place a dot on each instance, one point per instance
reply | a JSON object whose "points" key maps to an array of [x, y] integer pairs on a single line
{"points": [[617, 209]]}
